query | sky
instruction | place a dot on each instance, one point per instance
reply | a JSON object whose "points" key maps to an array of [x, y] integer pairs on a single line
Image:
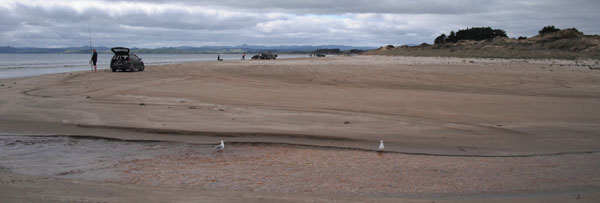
{"points": [[170, 23]]}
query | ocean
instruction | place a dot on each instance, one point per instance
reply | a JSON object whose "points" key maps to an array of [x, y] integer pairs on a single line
{"points": [[25, 65]]}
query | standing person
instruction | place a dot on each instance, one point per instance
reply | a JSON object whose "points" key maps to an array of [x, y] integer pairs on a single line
{"points": [[94, 59], [219, 57], [244, 56]]}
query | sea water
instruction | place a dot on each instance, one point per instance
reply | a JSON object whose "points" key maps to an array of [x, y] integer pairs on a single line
{"points": [[87, 158], [25, 65]]}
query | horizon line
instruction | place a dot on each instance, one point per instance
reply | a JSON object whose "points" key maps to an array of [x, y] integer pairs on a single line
{"points": [[200, 46]]}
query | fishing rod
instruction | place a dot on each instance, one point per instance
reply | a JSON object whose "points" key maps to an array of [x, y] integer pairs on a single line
{"points": [[91, 52], [90, 32]]}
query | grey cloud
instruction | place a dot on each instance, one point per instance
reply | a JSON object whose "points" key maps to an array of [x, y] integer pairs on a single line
{"points": [[348, 6], [276, 22]]}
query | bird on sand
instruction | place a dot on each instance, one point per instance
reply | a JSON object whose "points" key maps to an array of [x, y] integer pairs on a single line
{"points": [[381, 145], [220, 146]]}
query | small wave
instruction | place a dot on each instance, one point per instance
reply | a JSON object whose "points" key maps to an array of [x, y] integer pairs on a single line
{"points": [[11, 68]]}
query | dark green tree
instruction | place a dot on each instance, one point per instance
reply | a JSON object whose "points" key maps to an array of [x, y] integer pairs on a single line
{"points": [[475, 33], [441, 39], [548, 29], [452, 37]]}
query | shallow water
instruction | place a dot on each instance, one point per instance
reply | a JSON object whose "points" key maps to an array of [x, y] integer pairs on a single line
{"points": [[25, 65], [77, 157], [295, 169]]}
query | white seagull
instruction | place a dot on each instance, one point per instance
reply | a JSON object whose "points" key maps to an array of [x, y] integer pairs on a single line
{"points": [[381, 145], [220, 146]]}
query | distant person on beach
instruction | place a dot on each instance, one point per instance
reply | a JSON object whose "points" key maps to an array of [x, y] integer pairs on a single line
{"points": [[244, 56], [219, 57], [94, 59]]}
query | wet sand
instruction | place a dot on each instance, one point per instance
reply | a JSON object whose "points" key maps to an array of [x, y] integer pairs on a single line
{"points": [[300, 170], [442, 114]]}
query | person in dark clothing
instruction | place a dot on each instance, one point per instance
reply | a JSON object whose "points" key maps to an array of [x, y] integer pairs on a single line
{"points": [[94, 59]]}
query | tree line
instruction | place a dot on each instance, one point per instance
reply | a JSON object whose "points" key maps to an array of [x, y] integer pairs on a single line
{"points": [[483, 33], [475, 33]]}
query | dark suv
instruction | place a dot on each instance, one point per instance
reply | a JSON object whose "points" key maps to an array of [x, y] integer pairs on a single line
{"points": [[265, 56], [124, 61]]}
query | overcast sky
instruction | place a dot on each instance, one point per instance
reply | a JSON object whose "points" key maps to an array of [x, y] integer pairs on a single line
{"points": [[161, 23]]}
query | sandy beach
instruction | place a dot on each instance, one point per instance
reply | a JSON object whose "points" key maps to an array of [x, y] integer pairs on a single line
{"points": [[455, 129]]}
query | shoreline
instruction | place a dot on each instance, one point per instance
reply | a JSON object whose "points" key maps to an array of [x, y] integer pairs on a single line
{"points": [[356, 145], [44, 64]]}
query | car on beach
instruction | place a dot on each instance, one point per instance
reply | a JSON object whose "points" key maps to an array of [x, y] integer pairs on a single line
{"points": [[265, 56], [125, 61]]}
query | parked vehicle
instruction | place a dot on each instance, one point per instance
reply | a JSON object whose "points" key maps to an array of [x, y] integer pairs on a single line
{"points": [[124, 61], [265, 56]]}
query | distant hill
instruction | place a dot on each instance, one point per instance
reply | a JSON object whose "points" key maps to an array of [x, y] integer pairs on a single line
{"points": [[561, 44], [183, 49]]}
